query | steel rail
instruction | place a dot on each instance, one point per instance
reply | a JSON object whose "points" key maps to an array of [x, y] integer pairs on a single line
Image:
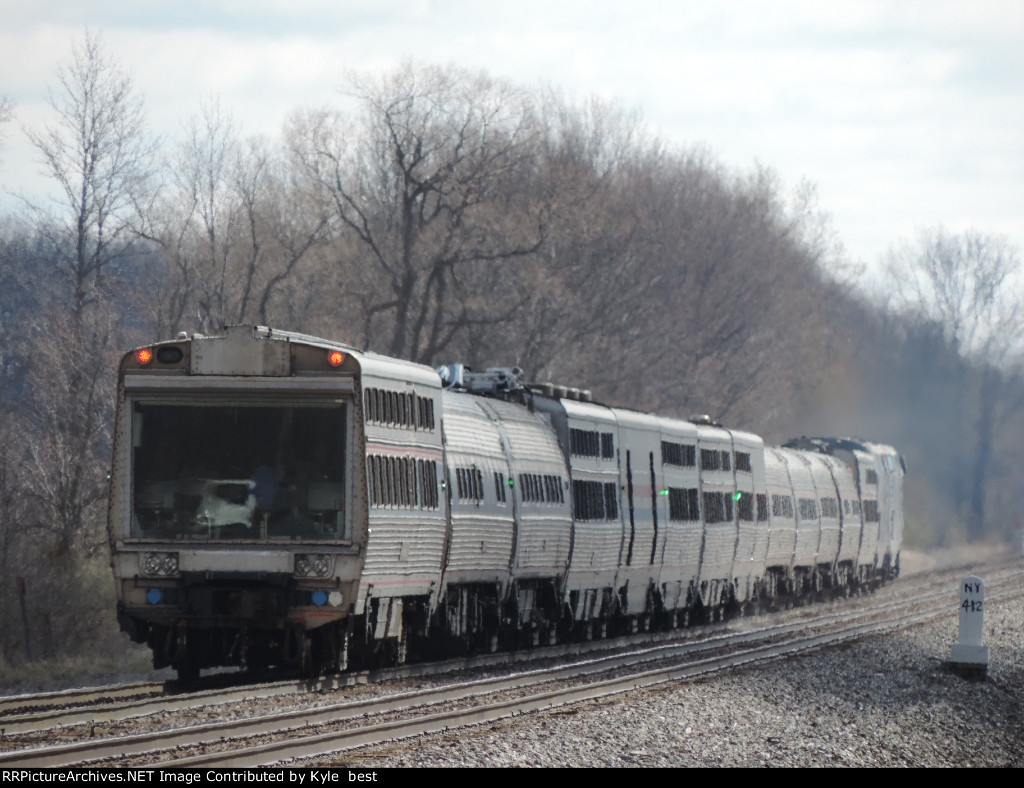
{"points": [[95, 714], [64, 702], [277, 723], [76, 696], [324, 744]]}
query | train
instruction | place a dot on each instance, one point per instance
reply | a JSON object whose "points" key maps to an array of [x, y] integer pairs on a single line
{"points": [[280, 501]]}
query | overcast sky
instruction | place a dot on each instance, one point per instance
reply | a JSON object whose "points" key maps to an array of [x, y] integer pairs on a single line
{"points": [[905, 114]]}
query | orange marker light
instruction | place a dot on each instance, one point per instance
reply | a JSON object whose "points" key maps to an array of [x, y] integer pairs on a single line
{"points": [[335, 358], [144, 356]]}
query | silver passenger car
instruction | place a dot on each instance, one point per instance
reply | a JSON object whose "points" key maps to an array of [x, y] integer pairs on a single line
{"points": [[283, 500]]}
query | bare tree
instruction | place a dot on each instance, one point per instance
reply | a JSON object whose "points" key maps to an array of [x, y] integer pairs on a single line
{"points": [[194, 223], [12, 524], [6, 114], [98, 154], [64, 439], [968, 285], [231, 228], [588, 266], [424, 192], [965, 283], [675, 286]]}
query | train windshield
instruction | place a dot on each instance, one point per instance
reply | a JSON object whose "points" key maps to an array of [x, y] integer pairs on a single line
{"points": [[205, 471]]}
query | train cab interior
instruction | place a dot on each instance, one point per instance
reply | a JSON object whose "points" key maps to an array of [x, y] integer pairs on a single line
{"points": [[253, 471]]}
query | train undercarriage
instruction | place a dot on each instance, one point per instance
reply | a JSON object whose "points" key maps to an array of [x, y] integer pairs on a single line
{"points": [[205, 632]]}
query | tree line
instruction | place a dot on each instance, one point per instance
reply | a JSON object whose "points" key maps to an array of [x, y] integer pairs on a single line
{"points": [[441, 214]]}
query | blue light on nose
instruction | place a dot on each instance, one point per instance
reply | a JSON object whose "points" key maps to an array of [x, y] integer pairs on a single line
{"points": [[319, 598], [154, 595]]}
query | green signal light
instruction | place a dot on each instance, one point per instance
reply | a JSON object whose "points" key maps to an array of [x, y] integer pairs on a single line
{"points": [[737, 496], [664, 492]]}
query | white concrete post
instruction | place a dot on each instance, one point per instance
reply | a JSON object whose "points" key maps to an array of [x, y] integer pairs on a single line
{"points": [[970, 652]]}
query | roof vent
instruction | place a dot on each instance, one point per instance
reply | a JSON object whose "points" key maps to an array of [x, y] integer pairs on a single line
{"points": [[554, 391], [704, 419]]}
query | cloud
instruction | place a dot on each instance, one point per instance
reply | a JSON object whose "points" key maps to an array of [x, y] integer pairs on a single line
{"points": [[904, 113]]}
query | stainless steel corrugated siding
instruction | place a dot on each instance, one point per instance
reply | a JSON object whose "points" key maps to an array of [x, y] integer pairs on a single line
{"points": [[480, 542], [404, 545], [808, 531], [828, 544], [782, 533], [869, 533], [544, 533]]}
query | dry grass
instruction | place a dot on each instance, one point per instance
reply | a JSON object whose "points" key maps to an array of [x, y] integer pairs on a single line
{"points": [[131, 663], [914, 561]]}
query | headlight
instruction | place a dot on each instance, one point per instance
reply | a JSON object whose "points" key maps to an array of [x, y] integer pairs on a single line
{"points": [[321, 565], [313, 565], [159, 564]]}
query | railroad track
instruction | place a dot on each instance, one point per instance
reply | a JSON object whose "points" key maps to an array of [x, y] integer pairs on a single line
{"points": [[94, 706], [79, 697], [66, 707], [310, 732]]}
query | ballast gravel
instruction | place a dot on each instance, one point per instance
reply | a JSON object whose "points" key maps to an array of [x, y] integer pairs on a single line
{"points": [[886, 701]]}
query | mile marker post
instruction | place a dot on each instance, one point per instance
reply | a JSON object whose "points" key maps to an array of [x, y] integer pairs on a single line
{"points": [[970, 656]]}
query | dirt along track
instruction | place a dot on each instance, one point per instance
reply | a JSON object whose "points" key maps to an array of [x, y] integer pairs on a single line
{"points": [[399, 754], [881, 701]]}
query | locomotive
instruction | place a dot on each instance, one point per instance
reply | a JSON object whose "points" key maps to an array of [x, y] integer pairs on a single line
{"points": [[283, 501]]}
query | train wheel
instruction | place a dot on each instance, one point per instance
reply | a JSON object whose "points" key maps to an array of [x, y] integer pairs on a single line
{"points": [[324, 652], [188, 671]]}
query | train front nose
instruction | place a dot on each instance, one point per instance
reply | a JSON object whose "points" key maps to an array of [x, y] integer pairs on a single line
{"points": [[241, 599]]}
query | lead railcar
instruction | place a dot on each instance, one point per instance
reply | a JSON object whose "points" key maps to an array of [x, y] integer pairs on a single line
{"points": [[239, 516], [282, 500]]}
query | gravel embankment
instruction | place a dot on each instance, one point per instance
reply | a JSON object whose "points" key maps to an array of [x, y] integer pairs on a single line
{"points": [[887, 701]]}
